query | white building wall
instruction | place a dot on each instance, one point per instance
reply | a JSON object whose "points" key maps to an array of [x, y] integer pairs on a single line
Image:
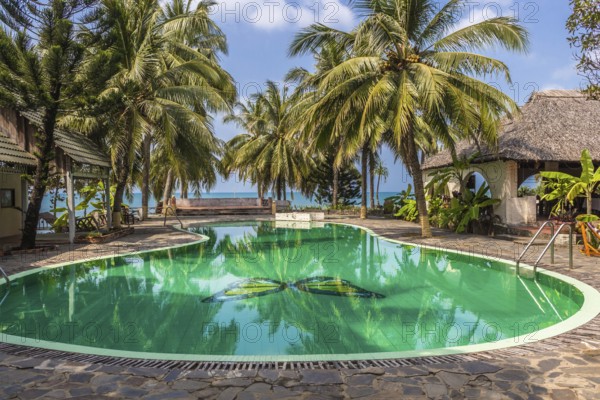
{"points": [[502, 178]]}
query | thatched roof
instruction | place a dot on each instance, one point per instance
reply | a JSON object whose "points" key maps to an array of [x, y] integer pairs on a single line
{"points": [[554, 125]]}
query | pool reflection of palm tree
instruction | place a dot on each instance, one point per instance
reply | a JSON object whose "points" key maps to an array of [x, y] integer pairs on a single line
{"points": [[286, 257], [169, 301]]}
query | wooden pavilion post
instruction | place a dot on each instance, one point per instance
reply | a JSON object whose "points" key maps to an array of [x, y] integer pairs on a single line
{"points": [[107, 196], [70, 198], [24, 199]]}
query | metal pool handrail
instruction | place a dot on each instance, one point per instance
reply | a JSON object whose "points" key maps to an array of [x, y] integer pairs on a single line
{"points": [[538, 233], [174, 211], [5, 276], [7, 285], [551, 244]]}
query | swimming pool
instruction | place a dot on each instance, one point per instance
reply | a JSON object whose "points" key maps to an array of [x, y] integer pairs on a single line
{"points": [[255, 291]]}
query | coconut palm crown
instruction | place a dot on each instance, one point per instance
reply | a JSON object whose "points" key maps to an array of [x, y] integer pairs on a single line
{"points": [[415, 72]]}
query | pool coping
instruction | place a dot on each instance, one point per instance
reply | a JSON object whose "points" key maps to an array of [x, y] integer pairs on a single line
{"points": [[412, 357]]}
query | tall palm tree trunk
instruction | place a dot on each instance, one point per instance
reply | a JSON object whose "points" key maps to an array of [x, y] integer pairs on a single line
{"points": [[364, 170], [184, 189], [278, 188], [415, 170], [40, 179], [372, 178], [122, 170], [55, 199], [377, 190], [146, 176], [121, 179], [336, 184], [167, 189]]}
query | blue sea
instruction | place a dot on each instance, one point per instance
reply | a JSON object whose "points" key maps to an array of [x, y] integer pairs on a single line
{"points": [[296, 199]]}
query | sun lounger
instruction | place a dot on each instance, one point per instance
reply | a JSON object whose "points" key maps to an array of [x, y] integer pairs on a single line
{"points": [[128, 215], [95, 221], [591, 239]]}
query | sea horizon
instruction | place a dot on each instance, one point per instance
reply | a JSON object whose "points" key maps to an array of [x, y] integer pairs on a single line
{"points": [[296, 199]]}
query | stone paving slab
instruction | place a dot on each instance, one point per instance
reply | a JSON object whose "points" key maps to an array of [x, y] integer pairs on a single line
{"points": [[536, 371]]}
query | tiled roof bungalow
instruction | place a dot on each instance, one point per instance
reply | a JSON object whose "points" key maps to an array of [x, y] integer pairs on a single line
{"points": [[76, 157]]}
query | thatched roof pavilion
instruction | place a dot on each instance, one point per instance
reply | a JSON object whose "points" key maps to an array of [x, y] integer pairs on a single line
{"points": [[550, 133], [555, 125]]}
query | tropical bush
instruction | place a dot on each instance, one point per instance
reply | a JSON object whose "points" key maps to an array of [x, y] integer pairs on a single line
{"points": [[408, 211], [471, 207], [466, 208], [525, 191], [91, 195], [438, 212], [403, 205], [565, 188]]}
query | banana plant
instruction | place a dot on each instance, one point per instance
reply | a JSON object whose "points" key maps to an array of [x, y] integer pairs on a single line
{"points": [[569, 187], [405, 204], [91, 195], [468, 207], [408, 211], [458, 171]]}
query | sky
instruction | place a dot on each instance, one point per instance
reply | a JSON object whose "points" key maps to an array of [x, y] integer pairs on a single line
{"points": [[259, 33]]}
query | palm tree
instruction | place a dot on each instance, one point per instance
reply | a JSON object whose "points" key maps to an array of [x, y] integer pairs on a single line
{"points": [[373, 163], [249, 117], [190, 164], [382, 172], [163, 88], [322, 125], [414, 73], [197, 167], [269, 149], [321, 133], [40, 60]]}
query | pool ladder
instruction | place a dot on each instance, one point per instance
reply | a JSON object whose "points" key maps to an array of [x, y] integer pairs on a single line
{"points": [[7, 285], [174, 213], [549, 245]]}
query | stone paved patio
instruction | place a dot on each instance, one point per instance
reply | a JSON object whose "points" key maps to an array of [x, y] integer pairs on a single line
{"points": [[564, 367]]}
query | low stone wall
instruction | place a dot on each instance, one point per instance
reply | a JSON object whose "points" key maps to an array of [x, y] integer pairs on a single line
{"points": [[222, 202], [300, 216]]}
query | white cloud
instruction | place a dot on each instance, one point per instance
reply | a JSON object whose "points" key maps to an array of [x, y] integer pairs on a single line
{"points": [[282, 14], [552, 86], [565, 73]]}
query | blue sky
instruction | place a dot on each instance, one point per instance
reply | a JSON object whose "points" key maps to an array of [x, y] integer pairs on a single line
{"points": [[260, 31]]}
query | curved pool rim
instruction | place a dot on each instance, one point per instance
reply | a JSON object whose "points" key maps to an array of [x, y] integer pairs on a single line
{"points": [[586, 313]]}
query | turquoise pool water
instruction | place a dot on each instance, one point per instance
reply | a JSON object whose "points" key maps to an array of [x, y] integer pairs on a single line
{"points": [[258, 290]]}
